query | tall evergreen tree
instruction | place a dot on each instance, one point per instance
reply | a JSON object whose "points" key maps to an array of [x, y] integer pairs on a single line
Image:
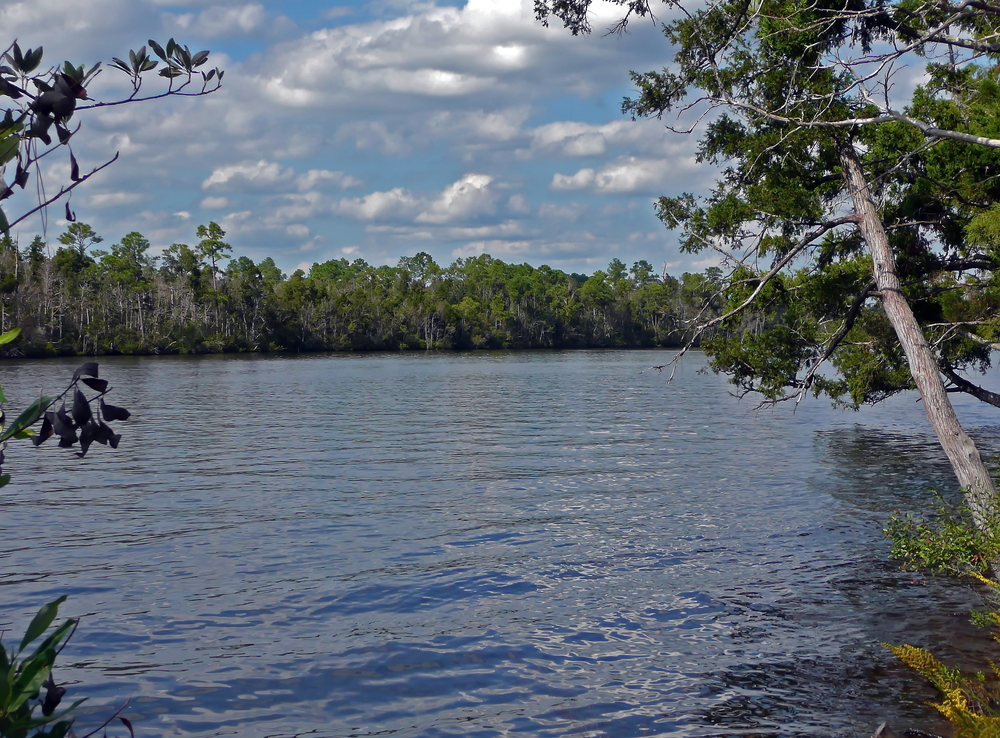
{"points": [[835, 251]]}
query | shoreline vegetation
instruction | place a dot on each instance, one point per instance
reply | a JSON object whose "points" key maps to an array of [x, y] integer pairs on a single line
{"points": [[85, 301]]}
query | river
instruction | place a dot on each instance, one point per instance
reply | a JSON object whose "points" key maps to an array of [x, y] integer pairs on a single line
{"points": [[537, 544]]}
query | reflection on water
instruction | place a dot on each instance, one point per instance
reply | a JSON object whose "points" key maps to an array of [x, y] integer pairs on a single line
{"points": [[544, 544]]}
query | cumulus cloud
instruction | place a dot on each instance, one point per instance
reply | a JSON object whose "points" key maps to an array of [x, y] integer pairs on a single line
{"points": [[463, 200], [487, 49], [627, 175], [396, 203], [273, 177], [579, 181], [468, 197], [262, 174]]}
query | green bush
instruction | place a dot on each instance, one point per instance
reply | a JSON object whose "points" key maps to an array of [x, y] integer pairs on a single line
{"points": [[947, 543]]}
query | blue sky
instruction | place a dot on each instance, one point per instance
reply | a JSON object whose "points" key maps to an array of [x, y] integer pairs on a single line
{"points": [[375, 130]]}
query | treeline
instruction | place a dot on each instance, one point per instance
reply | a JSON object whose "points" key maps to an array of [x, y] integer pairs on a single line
{"points": [[84, 300]]}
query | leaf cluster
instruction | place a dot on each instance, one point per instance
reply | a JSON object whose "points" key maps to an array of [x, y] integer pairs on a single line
{"points": [[77, 424], [35, 101]]}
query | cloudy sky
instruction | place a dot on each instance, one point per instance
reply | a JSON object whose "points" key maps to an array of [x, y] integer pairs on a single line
{"points": [[373, 130]]}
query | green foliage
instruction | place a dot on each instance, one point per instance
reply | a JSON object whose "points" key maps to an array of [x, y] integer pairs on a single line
{"points": [[25, 710], [129, 302], [787, 86], [949, 542]]}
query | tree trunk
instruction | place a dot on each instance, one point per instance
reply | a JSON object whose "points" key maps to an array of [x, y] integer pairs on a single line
{"points": [[972, 474]]}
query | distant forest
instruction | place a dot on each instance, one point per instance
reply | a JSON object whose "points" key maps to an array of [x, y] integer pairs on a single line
{"points": [[85, 300]]}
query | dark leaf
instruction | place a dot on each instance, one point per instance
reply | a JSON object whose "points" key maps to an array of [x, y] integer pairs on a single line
{"points": [[101, 385], [81, 408], [102, 432], [157, 49], [40, 128], [74, 168], [128, 724], [93, 71], [70, 215], [4, 225], [110, 412], [32, 59], [21, 178], [90, 369], [62, 424], [64, 135], [53, 696], [86, 438], [113, 439], [45, 433], [200, 58]]}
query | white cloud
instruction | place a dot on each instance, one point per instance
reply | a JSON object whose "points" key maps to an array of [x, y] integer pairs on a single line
{"points": [[579, 181], [262, 174], [396, 203], [273, 177], [632, 174], [214, 203], [626, 175], [468, 197]]}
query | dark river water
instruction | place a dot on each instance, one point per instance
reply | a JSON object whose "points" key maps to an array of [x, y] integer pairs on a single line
{"points": [[537, 544]]}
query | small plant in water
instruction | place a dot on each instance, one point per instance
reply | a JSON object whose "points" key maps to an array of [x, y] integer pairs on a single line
{"points": [[950, 543], [29, 696]]}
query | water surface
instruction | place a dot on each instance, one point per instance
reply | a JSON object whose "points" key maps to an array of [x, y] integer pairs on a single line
{"points": [[539, 544]]}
